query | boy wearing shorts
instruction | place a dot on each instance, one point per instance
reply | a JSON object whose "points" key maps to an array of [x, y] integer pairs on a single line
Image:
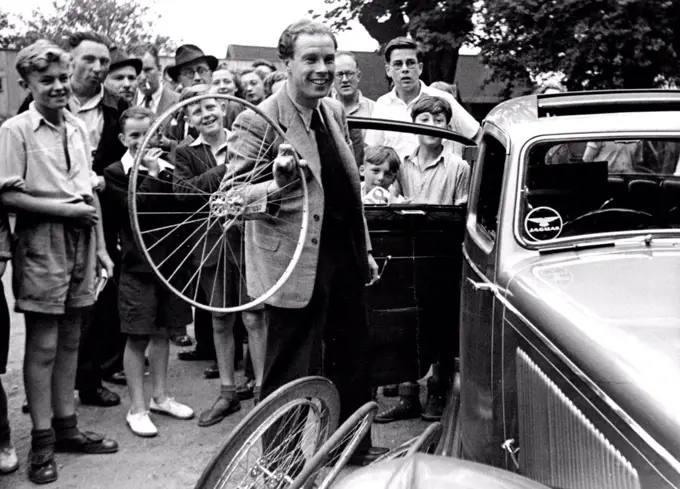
{"points": [[149, 313], [45, 180], [199, 169], [8, 455], [380, 170]]}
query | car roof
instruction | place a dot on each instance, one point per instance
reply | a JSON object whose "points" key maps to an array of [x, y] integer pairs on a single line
{"points": [[588, 113]]}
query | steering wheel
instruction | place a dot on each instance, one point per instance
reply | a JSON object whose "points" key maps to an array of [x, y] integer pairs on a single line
{"points": [[608, 219]]}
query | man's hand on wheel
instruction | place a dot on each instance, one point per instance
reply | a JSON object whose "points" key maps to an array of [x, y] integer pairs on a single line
{"points": [[286, 171]]}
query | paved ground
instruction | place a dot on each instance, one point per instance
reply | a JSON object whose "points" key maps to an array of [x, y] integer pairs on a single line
{"points": [[174, 459]]}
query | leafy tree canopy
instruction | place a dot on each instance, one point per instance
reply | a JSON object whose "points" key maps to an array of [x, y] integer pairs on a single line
{"points": [[595, 44]]}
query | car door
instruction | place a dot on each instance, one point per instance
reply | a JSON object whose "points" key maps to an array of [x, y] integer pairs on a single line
{"points": [[475, 436]]}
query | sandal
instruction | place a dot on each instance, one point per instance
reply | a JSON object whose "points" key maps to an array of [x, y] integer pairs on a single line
{"points": [[86, 442]]}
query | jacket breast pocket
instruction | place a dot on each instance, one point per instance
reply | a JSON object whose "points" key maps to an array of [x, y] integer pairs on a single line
{"points": [[266, 241]]}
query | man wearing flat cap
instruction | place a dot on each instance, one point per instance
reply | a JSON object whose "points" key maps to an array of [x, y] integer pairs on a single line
{"points": [[123, 73]]}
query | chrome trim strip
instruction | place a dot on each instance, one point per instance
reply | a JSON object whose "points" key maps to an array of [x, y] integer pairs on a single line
{"points": [[632, 424]]}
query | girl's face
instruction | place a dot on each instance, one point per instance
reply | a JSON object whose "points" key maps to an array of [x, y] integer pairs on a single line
{"points": [[223, 82]]}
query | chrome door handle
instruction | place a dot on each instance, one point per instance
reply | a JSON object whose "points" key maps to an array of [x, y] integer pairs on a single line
{"points": [[482, 285]]}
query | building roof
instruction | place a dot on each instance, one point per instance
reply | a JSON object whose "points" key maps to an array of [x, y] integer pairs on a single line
{"points": [[471, 75], [239, 52]]}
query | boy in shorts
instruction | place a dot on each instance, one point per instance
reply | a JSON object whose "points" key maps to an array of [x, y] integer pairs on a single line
{"points": [[8, 455], [199, 169], [380, 170], [45, 180], [149, 313]]}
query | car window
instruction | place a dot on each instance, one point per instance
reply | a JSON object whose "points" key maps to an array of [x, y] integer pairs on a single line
{"points": [[575, 188], [492, 161]]}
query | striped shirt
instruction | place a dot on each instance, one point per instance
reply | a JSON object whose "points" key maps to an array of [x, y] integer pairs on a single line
{"points": [[445, 181]]}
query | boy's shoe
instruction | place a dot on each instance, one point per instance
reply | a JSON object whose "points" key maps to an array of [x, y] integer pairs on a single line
{"points": [[117, 378], [101, 396], [246, 390], [141, 424], [405, 408], [42, 469], [390, 390], [172, 408], [219, 410], [212, 372], [434, 408], [86, 442], [8, 460], [182, 340], [194, 355]]}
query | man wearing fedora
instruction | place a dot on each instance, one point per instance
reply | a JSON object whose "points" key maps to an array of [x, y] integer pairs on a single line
{"points": [[192, 67], [123, 73]]}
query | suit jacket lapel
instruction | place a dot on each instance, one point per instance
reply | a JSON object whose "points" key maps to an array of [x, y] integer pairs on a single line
{"points": [[296, 133], [344, 151]]}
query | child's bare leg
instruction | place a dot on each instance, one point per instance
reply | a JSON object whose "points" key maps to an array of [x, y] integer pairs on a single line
{"points": [[225, 347], [41, 350], [66, 363], [133, 363], [159, 352], [257, 340]]}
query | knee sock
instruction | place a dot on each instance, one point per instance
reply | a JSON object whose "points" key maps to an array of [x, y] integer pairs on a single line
{"points": [[42, 441], [228, 392], [66, 427]]}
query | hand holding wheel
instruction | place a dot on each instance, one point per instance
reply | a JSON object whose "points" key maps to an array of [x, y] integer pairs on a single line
{"points": [[286, 170]]}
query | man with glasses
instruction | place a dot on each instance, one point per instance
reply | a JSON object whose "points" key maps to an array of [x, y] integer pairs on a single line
{"points": [[404, 65], [347, 79]]}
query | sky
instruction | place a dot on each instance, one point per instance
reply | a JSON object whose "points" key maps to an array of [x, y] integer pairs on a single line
{"points": [[214, 24]]}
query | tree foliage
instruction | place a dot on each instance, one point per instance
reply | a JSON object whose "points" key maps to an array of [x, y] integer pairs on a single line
{"points": [[441, 26], [596, 44], [124, 22]]}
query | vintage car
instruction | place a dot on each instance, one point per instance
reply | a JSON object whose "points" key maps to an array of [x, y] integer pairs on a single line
{"points": [[570, 300]]}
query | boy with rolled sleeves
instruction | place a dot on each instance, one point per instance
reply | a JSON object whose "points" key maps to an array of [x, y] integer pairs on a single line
{"points": [[149, 314], [45, 180]]}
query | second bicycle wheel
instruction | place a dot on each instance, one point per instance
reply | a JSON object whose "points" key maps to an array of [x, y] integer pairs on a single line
{"points": [[202, 217]]}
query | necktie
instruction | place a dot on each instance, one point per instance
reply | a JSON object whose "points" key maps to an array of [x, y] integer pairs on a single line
{"points": [[334, 178], [148, 100]]}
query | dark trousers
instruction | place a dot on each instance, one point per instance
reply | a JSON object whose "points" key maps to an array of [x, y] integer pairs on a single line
{"points": [[329, 336], [4, 349], [101, 342], [203, 330]]}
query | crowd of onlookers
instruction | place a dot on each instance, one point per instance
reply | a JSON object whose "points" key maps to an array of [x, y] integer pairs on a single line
{"points": [[64, 173]]}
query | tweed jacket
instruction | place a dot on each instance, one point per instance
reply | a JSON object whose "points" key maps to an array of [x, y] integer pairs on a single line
{"points": [[270, 240]]}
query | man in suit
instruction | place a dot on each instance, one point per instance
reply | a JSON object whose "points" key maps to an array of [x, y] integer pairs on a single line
{"points": [[322, 301]]}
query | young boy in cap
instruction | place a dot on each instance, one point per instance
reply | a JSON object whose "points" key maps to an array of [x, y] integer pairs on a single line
{"points": [[45, 178], [123, 73], [149, 313]]}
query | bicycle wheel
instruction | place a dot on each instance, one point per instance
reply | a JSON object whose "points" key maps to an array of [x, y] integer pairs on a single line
{"points": [[397, 452], [301, 414], [427, 441], [199, 224], [332, 457]]}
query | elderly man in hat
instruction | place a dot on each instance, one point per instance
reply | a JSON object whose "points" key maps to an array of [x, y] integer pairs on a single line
{"points": [[123, 72]]}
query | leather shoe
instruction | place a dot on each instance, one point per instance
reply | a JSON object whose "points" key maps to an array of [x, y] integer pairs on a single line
{"points": [[246, 390], [434, 408], [86, 442], [391, 390], [365, 457], [194, 355], [405, 408], [101, 396], [42, 469], [212, 372], [219, 410], [117, 378], [182, 340]]}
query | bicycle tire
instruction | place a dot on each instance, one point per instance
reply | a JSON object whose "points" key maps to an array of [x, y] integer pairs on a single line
{"points": [[306, 387], [362, 419], [213, 216], [427, 439]]}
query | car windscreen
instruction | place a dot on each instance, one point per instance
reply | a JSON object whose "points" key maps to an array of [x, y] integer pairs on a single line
{"points": [[575, 188]]}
